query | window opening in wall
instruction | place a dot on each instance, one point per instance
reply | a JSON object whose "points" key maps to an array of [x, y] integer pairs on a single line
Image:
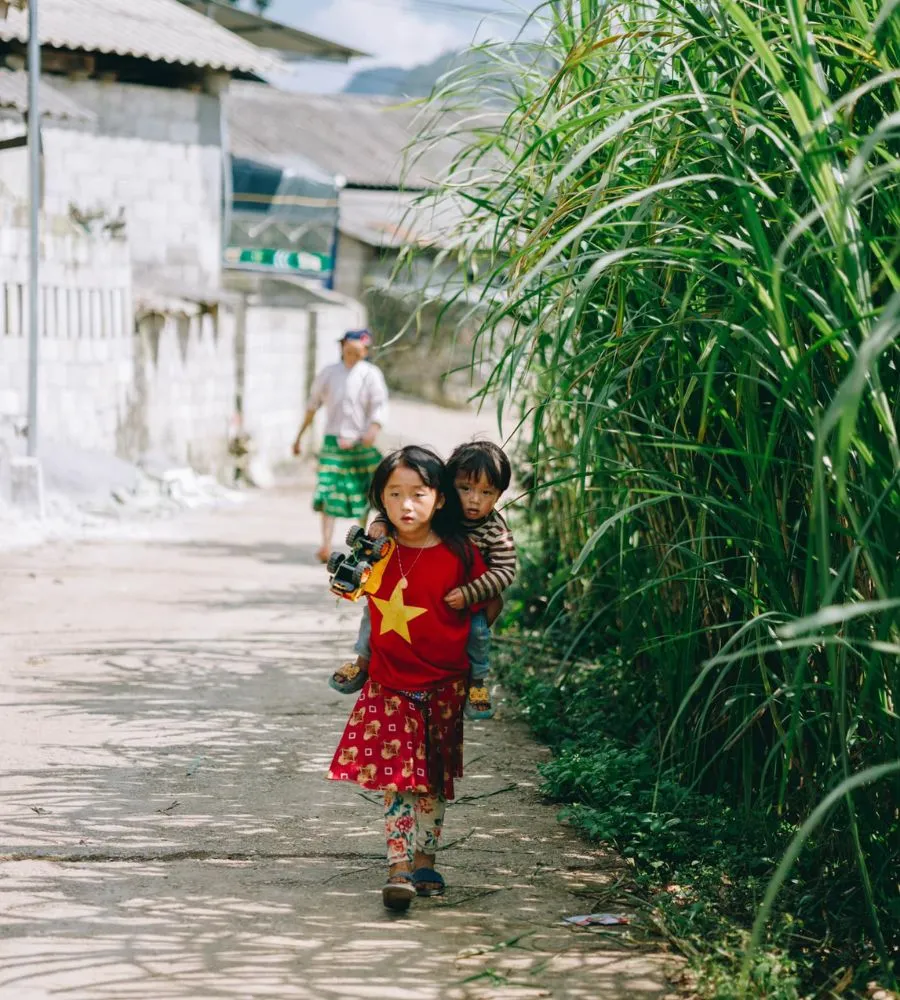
{"points": [[74, 314], [60, 300], [84, 313], [47, 312], [97, 312], [20, 318], [121, 320], [107, 295]]}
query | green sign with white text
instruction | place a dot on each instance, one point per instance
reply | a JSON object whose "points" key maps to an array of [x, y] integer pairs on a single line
{"points": [[285, 261]]}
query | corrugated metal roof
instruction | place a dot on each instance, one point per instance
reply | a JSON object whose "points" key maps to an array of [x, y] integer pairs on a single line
{"points": [[155, 293], [394, 219], [289, 42], [14, 95], [161, 30], [362, 139]]}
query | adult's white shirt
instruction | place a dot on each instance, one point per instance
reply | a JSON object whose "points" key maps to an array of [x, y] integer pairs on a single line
{"points": [[353, 398]]}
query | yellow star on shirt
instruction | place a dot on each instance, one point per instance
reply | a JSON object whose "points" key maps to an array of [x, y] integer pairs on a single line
{"points": [[395, 615]]}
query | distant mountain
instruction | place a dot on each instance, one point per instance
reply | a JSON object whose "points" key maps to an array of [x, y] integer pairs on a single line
{"points": [[384, 80], [393, 81], [494, 76]]}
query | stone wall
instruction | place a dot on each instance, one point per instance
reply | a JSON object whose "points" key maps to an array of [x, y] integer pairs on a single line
{"points": [[168, 382]]}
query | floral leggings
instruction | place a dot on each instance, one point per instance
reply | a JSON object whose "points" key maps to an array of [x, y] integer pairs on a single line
{"points": [[412, 822]]}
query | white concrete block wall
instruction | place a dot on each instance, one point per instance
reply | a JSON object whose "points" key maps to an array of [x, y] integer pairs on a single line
{"points": [[158, 153], [190, 391], [85, 371], [354, 260], [173, 392], [99, 389], [275, 369], [275, 378], [332, 322]]}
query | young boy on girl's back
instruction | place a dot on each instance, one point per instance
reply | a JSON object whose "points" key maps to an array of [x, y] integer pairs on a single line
{"points": [[480, 471]]}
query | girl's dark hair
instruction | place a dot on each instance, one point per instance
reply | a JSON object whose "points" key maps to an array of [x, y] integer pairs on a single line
{"points": [[481, 458], [448, 520]]}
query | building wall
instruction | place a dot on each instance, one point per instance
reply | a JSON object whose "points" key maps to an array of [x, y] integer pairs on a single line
{"points": [[285, 347], [275, 377], [165, 385], [182, 398], [354, 262], [86, 362], [157, 153], [167, 389]]}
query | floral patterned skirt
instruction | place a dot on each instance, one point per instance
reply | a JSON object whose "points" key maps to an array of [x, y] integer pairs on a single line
{"points": [[397, 741]]}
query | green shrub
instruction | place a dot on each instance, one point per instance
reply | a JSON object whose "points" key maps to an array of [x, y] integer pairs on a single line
{"points": [[688, 226]]}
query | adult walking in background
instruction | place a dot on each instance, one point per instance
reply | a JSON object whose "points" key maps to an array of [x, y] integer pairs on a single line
{"points": [[355, 397]]}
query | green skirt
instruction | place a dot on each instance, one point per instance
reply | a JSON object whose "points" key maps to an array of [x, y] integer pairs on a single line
{"points": [[342, 489]]}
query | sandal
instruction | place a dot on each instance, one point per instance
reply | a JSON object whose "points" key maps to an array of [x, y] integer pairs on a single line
{"points": [[349, 677], [398, 891], [428, 882], [478, 703]]}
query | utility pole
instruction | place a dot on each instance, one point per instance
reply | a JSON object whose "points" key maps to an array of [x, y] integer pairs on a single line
{"points": [[34, 246]]}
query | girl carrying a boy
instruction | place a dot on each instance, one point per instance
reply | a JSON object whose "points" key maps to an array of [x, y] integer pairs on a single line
{"points": [[404, 735]]}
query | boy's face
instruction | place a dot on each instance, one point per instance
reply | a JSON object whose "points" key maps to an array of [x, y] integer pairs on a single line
{"points": [[478, 496]]}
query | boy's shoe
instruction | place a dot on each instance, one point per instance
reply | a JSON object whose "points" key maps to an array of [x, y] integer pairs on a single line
{"points": [[478, 703], [349, 677]]}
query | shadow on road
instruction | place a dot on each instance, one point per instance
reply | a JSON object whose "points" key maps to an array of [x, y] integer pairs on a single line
{"points": [[166, 832]]}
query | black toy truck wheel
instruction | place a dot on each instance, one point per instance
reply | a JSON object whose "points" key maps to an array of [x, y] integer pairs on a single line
{"points": [[353, 534], [359, 574], [334, 560], [380, 548]]}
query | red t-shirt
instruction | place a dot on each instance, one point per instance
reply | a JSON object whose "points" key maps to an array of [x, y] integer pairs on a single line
{"points": [[418, 641]]}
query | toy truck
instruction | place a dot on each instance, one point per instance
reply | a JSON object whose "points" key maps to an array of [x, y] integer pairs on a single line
{"points": [[361, 570]]}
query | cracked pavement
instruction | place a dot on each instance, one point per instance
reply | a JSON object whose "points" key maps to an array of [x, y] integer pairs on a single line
{"points": [[165, 829]]}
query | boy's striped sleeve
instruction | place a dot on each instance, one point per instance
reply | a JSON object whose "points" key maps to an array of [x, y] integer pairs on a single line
{"points": [[495, 542]]}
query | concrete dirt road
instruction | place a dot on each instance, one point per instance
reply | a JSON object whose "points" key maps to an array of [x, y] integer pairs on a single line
{"points": [[165, 829]]}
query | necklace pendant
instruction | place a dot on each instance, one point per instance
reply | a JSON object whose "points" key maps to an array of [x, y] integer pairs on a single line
{"points": [[404, 583]]}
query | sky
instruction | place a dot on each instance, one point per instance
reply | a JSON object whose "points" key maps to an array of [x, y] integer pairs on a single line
{"points": [[396, 32]]}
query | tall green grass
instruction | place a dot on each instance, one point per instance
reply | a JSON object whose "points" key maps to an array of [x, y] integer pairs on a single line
{"points": [[686, 220]]}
